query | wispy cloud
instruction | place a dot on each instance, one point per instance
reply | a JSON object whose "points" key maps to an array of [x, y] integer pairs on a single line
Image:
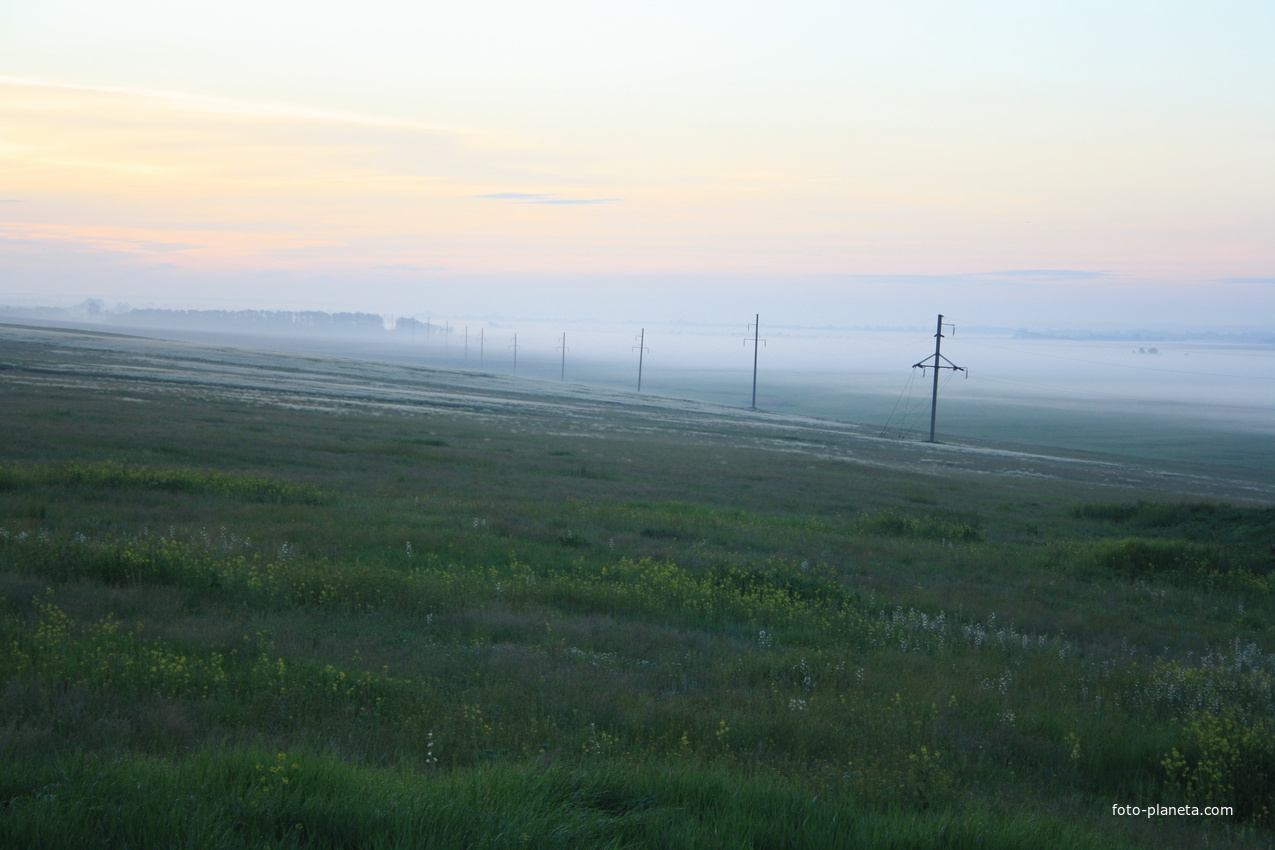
{"points": [[191, 102], [1020, 276], [543, 198], [408, 267], [1039, 275], [219, 181], [148, 244], [513, 196], [1264, 281]]}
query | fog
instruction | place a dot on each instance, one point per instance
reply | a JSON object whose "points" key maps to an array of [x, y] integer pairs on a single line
{"points": [[1238, 371], [859, 375], [1210, 401]]}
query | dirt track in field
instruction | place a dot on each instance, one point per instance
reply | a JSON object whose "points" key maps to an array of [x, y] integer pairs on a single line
{"points": [[140, 369]]}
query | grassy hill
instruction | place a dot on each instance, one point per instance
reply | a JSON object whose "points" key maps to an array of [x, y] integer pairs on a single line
{"points": [[252, 599]]}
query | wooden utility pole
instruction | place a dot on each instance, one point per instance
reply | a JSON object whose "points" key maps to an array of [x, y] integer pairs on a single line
{"points": [[757, 342], [937, 364], [641, 349]]}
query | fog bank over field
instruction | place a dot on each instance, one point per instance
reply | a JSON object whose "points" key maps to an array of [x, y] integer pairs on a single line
{"points": [[1203, 395]]}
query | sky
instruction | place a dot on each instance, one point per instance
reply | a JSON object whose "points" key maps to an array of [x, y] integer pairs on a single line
{"points": [[1044, 164]]}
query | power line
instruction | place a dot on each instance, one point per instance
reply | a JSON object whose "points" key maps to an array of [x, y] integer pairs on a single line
{"points": [[907, 407]]}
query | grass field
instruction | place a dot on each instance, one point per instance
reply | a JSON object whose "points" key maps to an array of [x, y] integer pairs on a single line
{"points": [[251, 601]]}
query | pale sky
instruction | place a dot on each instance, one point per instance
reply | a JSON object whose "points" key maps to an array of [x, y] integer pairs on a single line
{"points": [[1025, 164]]}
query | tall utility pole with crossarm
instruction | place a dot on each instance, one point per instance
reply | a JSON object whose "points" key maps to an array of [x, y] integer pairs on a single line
{"points": [[936, 362], [757, 342]]}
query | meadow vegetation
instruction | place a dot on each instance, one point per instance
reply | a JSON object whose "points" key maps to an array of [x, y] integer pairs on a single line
{"points": [[244, 625]]}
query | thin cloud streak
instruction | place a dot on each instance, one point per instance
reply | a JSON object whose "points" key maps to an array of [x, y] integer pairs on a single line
{"points": [[209, 245], [579, 201], [1042, 275], [408, 267], [1008, 276], [542, 198], [214, 105]]}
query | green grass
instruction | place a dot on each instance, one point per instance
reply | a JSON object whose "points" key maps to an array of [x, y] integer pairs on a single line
{"points": [[241, 625], [247, 798], [109, 475]]}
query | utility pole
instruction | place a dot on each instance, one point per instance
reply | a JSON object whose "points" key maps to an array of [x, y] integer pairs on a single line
{"points": [[481, 332], [563, 375], [757, 341], [641, 349], [466, 343], [515, 348], [937, 364]]}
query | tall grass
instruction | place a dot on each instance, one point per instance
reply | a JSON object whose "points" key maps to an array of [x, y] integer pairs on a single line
{"points": [[253, 797], [450, 636]]}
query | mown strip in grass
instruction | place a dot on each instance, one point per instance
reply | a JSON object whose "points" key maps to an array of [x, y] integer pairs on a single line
{"points": [[673, 520], [113, 475]]}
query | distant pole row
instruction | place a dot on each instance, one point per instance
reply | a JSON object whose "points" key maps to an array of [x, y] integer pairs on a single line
{"points": [[936, 361]]}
